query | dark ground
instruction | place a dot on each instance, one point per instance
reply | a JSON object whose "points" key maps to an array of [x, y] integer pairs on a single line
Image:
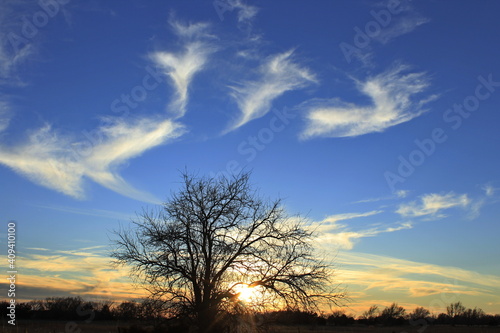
{"points": [[112, 327]]}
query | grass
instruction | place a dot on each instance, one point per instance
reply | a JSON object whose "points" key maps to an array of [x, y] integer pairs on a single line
{"points": [[394, 329], [44, 326], [112, 327]]}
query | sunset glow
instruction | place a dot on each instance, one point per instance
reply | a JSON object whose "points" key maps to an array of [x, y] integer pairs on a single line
{"points": [[374, 125], [247, 294]]}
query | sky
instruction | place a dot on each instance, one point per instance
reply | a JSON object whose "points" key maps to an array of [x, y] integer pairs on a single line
{"points": [[375, 121]]}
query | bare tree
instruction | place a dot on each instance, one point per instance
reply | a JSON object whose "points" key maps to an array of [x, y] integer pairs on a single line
{"points": [[420, 313], [216, 236], [393, 314], [371, 313], [455, 309]]}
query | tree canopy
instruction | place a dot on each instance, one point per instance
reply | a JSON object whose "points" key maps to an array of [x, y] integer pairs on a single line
{"points": [[216, 238]]}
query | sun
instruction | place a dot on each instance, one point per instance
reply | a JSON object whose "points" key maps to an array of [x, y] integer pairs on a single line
{"points": [[246, 293]]}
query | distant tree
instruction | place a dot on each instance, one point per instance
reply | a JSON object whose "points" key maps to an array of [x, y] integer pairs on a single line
{"points": [[455, 309], [473, 316], [151, 309], [216, 236], [339, 318], [443, 319], [128, 310], [63, 307], [104, 312], [293, 317], [393, 314], [420, 313], [371, 313], [420, 317]]}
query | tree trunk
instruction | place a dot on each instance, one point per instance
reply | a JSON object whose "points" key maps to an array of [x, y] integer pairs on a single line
{"points": [[207, 320]]}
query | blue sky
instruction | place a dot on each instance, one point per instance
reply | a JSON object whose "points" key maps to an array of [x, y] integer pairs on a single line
{"points": [[377, 121]]}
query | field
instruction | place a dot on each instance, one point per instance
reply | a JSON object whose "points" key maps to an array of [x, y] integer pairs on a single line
{"points": [[395, 329], [112, 327]]}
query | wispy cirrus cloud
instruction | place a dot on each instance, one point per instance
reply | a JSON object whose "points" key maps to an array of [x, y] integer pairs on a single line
{"points": [[245, 11], [400, 23], [489, 190], [4, 115], [401, 26], [398, 195], [277, 75], [331, 233], [432, 204], [20, 34], [333, 219], [405, 269], [181, 67], [393, 96], [62, 162], [56, 162], [10, 55], [85, 272], [405, 21], [345, 238]]}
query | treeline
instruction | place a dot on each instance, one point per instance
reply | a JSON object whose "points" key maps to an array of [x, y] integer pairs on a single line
{"points": [[77, 309], [456, 314], [393, 315]]}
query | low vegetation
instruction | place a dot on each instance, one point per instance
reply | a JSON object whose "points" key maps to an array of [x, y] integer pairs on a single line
{"points": [[73, 314]]}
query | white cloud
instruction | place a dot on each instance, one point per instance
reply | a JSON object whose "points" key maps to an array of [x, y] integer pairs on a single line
{"points": [[278, 74], [245, 12], [11, 53], [56, 162], [398, 195], [9, 60], [432, 204], [332, 219], [400, 26], [392, 95], [181, 67], [489, 190], [62, 163], [18, 42], [345, 239], [402, 193], [331, 233], [191, 31], [4, 115], [477, 204]]}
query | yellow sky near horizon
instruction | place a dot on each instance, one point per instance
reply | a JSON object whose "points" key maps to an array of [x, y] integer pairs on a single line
{"points": [[368, 279]]}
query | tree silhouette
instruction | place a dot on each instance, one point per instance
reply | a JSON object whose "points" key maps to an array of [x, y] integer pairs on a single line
{"points": [[420, 313], [371, 313], [393, 314], [455, 309], [215, 237]]}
